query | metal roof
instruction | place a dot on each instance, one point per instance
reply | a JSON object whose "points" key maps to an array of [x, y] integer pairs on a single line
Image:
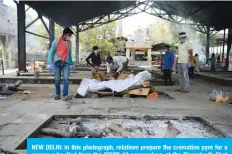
{"points": [[68, 13], [212, 13], [161, 46]]}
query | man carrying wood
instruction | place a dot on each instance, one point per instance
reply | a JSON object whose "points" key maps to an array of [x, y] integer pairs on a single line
{"points": [[116, 64]]}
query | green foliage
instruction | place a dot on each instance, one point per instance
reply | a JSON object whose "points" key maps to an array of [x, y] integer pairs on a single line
{"points": [[40, 29], [99, 36], [163, 32]]}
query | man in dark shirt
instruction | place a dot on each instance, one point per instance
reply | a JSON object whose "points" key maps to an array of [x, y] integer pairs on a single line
{"points": [[168, 64], [95, 58]]}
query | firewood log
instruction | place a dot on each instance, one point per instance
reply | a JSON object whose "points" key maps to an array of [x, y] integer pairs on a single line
{"points": [[62, 133], [56, 132], [116, 129]]}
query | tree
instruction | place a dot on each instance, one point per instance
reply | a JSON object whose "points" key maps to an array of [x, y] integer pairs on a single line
{"points": [[163, 32], [99, 36], [40, 29]]}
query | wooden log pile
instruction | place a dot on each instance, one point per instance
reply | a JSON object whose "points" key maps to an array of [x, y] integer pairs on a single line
{"points": [[144, 90]]}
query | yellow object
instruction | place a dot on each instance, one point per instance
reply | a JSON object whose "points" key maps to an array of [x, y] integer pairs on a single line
{"points": [[122, 76], [226, 99], [153, 95], [100, 76], [140, 91], [219, 99], [192, 60]]}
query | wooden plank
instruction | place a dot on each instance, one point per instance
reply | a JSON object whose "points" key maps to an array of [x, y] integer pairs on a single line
{"points": [[140, 91]]}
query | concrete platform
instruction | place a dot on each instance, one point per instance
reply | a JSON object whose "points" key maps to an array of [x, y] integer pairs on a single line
{"points": [[48, 78], [22, 114], [223, 78]]}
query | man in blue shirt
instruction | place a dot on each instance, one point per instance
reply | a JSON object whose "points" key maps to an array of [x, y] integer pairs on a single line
{"points": [[167, 66]]}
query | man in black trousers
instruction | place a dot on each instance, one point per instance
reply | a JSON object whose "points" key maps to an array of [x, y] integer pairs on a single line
{"points": [[167, 66]]}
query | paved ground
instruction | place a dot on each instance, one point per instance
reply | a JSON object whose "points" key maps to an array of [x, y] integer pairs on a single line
{"points": [[20, 115], [223, 75], [9, 71]]}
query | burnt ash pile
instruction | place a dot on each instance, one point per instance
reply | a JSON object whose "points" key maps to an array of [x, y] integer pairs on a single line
{"points": [[126, 128]]}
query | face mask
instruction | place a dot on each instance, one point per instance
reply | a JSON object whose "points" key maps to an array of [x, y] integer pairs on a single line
{"points": [[96, 51], [68, 38], [182, 40]]}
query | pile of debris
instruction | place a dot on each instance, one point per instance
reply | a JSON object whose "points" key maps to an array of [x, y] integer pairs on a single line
{"points": [[10, 89], [36, 66], [76, 128], [140, 86], [2, 151]]}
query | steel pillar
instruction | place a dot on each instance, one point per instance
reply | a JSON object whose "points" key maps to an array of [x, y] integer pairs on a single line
{"points": [[207, 43], [228, 46], [21, 37], [52, 32], [77, 44], [223, 46]]}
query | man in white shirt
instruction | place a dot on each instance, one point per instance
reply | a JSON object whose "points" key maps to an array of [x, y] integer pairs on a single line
{"points": [[183, 62], [116, 64]]}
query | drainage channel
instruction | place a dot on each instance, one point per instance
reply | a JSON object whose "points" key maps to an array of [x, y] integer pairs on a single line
{"points": [[118, 126]]}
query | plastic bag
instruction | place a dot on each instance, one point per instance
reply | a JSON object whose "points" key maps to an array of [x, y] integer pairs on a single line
{"points": [[214, 94], [219, 97]]}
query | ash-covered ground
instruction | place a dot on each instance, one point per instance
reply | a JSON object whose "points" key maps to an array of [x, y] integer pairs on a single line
{"points": [[139, 128]]}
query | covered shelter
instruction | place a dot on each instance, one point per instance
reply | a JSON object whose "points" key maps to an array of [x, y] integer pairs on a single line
{"points": [[158, 50], [161, 46], [202, 16]]}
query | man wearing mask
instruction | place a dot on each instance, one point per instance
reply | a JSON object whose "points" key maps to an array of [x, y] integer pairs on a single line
{"points": [[60, 56], [116, 64], [183, 62], [95, 59]]}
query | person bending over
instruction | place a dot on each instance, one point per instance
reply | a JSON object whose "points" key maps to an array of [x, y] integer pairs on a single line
{"points": [[116, 64]]}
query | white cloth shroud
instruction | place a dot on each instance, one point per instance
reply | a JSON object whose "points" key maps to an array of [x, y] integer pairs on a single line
{"points": [[115, 85]]}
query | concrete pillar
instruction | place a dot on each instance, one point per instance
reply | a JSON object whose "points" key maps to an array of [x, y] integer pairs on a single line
{"points": [[52, 32], [149, 59], [207, 43], [11, 52], [228, 46], [21, 37], [4, 50], [77, 44], [223, 47]]}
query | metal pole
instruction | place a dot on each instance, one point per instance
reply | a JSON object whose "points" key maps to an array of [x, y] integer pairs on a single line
{"points": [[207, 43], [21, 37], [223, 46], [229, 40], [77, 44], [52, 32], [2, 67], [34, 65]]}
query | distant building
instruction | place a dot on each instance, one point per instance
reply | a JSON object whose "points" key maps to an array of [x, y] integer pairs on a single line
{"points": [[8, 29]]}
